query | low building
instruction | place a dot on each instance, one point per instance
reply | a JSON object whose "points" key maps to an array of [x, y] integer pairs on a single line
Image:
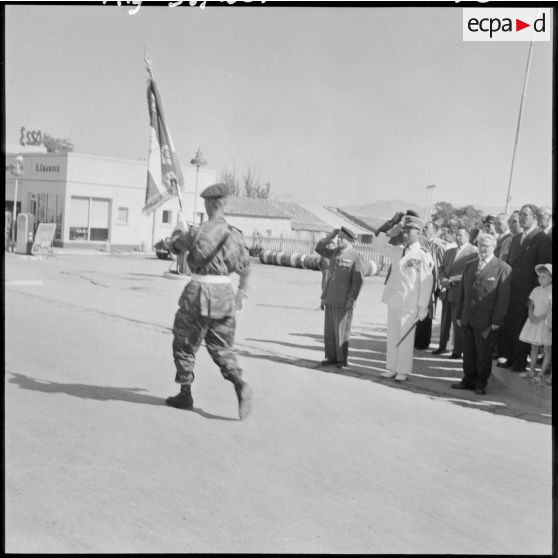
{"points": [[255, 216], [95, 200]]}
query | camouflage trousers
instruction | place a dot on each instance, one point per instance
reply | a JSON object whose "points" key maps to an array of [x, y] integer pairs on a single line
{"points": [[189, 330]]}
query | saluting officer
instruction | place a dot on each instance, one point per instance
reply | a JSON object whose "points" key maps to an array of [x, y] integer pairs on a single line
{"points": [[346, 270], [208, 303], [407, 292]]}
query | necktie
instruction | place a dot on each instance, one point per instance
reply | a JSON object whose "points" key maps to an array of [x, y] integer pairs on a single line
{"points": [[482, 263]]}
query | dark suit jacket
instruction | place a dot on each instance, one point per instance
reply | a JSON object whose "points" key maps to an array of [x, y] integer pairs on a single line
{"points": [[503, 246], [451, 267], [484, 296], [536, 249]]}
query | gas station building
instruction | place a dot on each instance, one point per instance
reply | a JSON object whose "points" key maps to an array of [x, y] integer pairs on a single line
{"points": [[97, 200]]}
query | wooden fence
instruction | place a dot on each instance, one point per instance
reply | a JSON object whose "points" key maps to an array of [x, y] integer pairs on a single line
{"points": [[292, 245]]}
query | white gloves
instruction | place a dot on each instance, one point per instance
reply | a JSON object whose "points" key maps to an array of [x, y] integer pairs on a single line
{"points": [[239, 298], [422, 313], [181, 222]]}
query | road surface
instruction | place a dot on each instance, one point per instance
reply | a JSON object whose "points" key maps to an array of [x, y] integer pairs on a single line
{"points": [[328, 462]]}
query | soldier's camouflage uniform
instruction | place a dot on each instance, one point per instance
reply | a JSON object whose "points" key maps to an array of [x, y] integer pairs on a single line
{"points": [[207, 310]]}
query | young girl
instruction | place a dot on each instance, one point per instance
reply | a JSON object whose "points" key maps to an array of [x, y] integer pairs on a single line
{"points": [[546, 369], [535, 329]]}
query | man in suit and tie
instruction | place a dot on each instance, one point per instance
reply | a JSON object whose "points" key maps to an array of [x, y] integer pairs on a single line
{"points": [[527, 250], [451, 272], [482, 305], [504, 236]]}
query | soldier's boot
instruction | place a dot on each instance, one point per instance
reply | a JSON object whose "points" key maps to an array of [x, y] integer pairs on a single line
{"points": [[182, 400], [244, 394]]}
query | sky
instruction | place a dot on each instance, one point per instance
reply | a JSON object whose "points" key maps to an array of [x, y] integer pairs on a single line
{"points": [[338, 106]]}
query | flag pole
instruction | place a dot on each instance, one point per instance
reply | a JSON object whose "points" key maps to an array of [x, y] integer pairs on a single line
{"points": [[529, 56]]}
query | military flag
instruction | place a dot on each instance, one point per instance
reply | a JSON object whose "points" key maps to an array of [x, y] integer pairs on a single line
{"points": [[164, 176]]}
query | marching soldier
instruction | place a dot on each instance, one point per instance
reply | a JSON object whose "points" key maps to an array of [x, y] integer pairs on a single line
{"points": [[407, 292], [208, 302], [346, 270]]}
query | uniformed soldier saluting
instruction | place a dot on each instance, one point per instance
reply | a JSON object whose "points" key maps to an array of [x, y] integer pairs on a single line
{"points": [[346, 270], [208, 302], [407, 292]]}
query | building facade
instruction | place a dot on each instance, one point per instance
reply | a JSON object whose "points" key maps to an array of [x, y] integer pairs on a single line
{"points": [[95, 200]]}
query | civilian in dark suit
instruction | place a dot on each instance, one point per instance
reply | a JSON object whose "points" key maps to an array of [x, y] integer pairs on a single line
{"points": [[451, 271], [482, 305], [427, 239], [346, 272], [504, 238], [527, 250]]}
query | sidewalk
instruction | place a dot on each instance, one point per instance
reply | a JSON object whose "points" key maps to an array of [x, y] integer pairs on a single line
{"points": [[524, 389]]}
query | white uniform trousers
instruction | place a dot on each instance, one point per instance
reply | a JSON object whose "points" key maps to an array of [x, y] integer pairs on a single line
{"points": [[400, 359]]}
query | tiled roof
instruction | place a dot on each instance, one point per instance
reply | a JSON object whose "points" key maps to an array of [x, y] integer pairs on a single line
{"points": [[301, 218], [253, 207], [335, 219]]}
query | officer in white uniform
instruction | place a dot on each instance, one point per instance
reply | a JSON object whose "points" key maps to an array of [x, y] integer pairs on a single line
{"points": [[407, 293]]}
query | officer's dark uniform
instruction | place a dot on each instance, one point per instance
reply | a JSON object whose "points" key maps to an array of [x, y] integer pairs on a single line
{"points": [[346, 271], [208, 302]]}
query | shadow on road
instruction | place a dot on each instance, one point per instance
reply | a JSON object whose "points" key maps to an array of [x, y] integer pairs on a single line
{"points": [[432, 375], [100, 393]]}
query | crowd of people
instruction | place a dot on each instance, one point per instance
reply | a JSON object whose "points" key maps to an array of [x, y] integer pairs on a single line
{"points": [[494, 284]]}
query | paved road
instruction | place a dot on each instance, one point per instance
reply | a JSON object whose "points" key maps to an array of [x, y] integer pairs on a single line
{"points": [[327, 462]]}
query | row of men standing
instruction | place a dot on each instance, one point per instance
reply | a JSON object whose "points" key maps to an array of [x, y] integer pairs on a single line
{"points": [[421, 270]]}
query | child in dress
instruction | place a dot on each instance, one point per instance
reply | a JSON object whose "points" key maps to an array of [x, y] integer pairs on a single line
{"points": [[546, 368], [535, 329]]}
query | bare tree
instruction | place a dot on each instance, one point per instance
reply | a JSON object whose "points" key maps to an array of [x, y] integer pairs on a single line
{"points": [[249, 187]]}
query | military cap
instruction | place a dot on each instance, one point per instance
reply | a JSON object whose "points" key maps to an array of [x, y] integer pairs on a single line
{"points": [[348, 232], [489, 219], [218, 190], [413, 222]]}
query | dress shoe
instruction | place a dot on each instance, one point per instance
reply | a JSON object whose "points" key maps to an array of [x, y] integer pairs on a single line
{"points": [[327, 362], [401, 377], [388, 374], [344, 364], [455, 356], [480, 391], [182, 400], [461, 385], [506, 364], [438, 351]]}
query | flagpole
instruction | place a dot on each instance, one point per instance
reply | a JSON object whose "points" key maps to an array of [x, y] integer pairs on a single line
{"points": [[508, 197], [153, 228]]}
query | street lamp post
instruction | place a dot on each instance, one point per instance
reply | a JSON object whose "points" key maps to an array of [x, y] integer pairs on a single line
{"points": [[430, 187], [16, 171], [198, 161]]}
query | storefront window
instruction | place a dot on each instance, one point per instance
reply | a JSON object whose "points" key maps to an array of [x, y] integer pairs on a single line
{"points": [[89, 219]]}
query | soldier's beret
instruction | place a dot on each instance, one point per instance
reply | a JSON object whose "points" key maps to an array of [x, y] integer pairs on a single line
{"points": [[218, 190], [413, 222], [348, 232]]}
